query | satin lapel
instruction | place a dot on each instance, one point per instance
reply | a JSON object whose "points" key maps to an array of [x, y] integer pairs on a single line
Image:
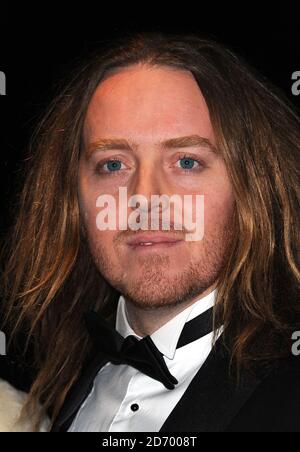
{"points": [[80, 390], [77, 395], [212, 399]]}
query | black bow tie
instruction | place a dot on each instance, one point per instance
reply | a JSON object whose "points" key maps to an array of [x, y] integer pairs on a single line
{"points": [[142, 354]]}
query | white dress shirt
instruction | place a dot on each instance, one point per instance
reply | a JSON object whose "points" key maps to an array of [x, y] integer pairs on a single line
{"points": [[125, 400]]}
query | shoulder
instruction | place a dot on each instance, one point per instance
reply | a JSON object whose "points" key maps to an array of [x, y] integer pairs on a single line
{"points": [[11, 403], [12, 400], [283, 383], [274, 405], [288, 372], [17, 372]]}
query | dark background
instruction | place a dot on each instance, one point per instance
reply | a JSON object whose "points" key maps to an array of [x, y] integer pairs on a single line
{"points": [[38, 49]]}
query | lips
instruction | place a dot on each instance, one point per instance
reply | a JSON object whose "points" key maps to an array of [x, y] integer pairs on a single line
{"points": [[148, 240]]}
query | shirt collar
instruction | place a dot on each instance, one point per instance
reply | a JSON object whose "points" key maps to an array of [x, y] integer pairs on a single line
{"points": [[166, 337]]}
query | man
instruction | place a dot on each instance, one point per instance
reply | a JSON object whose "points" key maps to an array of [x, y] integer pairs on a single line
{"points": [[143, 329]]}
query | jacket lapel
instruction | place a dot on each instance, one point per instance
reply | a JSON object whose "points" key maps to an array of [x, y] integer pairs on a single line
{"points": [[209, 404], [213, 398], [80, 391], [77, 395]]}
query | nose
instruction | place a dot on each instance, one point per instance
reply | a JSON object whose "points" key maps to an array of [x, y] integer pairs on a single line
{"points": [[147, 182], [152, 192]]}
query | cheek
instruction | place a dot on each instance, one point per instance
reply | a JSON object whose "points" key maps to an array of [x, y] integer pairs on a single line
{"points": [[98, 239], [103, 240], [101, 243], [218, 205], [218, 212], [88, 211]]}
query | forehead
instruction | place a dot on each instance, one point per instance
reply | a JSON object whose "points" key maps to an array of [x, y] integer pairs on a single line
{"points": [[145, 102]]}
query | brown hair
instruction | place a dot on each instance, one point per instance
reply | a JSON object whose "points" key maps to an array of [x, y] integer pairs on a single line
{"points": [[50, 281]]}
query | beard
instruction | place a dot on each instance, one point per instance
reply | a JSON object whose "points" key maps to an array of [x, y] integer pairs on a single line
{"points": [[156, 283]]}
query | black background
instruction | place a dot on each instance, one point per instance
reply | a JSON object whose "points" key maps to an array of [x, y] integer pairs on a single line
{"points": [[37, 49]]}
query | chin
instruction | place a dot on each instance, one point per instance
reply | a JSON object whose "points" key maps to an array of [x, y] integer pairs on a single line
{"points": [[156, 296]]}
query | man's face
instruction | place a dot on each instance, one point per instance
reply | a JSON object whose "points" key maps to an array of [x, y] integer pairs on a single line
{"points": [[147, 106]]}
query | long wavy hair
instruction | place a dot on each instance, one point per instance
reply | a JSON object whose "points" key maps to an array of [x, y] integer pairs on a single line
{"points": [[49, 279]]}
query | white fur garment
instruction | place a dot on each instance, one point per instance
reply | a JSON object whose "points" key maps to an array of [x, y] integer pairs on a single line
{"points": [[11, 403]]}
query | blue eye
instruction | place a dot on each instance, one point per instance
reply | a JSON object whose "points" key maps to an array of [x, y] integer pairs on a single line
{"points": [[113, 165], [187, 163]]}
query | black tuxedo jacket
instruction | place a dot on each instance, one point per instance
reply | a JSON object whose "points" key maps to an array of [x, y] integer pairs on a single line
{"points": [[18, 373], [265, 401]]}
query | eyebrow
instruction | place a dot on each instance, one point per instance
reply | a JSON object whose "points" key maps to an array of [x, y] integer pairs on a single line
{"points": [[106, 144]]}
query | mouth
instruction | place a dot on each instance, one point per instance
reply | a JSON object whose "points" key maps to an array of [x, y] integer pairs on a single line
{"points": [[153, 241]]}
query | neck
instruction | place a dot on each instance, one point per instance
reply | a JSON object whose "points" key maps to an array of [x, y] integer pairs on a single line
{"points": [[145, 321]]}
